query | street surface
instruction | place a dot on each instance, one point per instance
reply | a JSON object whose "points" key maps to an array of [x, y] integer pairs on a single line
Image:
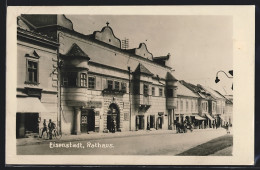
{"points": [[153, 144]]}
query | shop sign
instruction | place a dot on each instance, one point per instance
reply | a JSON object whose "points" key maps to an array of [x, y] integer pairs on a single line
{"points": [[94, 104]]}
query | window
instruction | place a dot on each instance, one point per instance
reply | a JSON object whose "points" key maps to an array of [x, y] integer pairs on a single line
{"points": [[65, 81], [170, 92], [177, 105], [110, 84], [181, 105], [191, 105], [160, 91], [187, 105], [70, 79], [123, 87], [91, 82], [32, 71], [153, 91], [83, 80], [146, 91], [116, 85]]}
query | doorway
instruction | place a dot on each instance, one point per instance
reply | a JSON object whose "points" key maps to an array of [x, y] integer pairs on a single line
{"points": [[26, 124], [87, 121], [140, 122], [113, 118], [152, 121], [91, 120], [160, 119]]}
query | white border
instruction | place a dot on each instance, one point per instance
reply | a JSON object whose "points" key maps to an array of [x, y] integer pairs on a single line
{"points": [[243, 112]]}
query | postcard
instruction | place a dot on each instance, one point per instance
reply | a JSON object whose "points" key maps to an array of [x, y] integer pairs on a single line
{"points": [[130, 85]]}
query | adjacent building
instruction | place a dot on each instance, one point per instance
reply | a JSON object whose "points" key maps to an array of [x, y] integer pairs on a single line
{"points": [[36, 79]]}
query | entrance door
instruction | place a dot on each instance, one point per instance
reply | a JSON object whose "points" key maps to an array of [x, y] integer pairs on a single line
{"points": [[160, 122], [91, 120], [152, 121], [84, 122]]}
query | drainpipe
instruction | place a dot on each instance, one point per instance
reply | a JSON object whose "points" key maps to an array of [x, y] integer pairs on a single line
{"points": [[130, 111], [59, 84]]}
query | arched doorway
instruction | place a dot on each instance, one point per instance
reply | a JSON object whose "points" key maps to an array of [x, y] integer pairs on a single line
{"points": [[113, 118]]}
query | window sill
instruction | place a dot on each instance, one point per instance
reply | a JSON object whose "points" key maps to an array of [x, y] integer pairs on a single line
{"points": [[31, 83]]}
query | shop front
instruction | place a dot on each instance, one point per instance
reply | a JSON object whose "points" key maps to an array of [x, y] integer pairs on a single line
{"points": [[28, 116]]}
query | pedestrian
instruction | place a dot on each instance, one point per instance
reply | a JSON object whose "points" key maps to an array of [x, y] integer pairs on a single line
{"points": [[228, 130], [44, 127], [113, 126], [50, 127]]}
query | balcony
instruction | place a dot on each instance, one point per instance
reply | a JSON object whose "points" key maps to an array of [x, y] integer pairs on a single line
{"points": [[74, 94], [143, 102], [113, 91]]}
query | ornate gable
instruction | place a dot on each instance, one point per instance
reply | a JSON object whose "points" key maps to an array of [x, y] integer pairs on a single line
{"points": [[143, 52], [106, 35]]}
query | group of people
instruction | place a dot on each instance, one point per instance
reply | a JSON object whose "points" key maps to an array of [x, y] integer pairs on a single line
{"points": [[183, 127], [48, 129]]}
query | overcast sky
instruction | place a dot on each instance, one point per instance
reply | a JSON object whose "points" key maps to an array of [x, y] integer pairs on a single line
{"points": [[199, 45]]}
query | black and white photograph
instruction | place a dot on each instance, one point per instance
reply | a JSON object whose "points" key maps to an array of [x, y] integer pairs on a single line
{"points": [[102, 83]]}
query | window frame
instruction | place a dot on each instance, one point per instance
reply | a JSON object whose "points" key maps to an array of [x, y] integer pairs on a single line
{"points": [[83, 78], [94, 82], [145, 90], [161, 92], [170, 95], [115, 85], [27, 71], [153, 91], [112, 85], [65, 75], [123, 84]]}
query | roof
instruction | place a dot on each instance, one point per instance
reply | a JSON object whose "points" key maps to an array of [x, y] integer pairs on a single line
{"points": [[184, 91], [43, 20], [76, 51], [142, 69], [213, 93], [127, 58], [170, 77], [198, 90]]}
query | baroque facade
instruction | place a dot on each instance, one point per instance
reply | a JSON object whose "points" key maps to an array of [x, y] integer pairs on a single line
{"points": [[89, 83], [101, 83]]}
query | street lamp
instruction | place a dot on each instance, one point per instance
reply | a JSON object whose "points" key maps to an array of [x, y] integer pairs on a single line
{"points": [[230, 72]]}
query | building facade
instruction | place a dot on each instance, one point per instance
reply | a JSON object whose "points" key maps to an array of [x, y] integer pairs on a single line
{"points": [[36, 79], [104, 87], [89, 83]]}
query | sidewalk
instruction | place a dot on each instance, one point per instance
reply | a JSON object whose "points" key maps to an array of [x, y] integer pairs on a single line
{"points": [[94, 136]]}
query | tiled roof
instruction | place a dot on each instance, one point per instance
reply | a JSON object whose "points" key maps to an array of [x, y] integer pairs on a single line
{"points": [[213, 93], [184, 91], [142, 69]]}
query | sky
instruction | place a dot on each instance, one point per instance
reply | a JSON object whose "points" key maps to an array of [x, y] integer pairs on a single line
{"points": [[200, 46]]}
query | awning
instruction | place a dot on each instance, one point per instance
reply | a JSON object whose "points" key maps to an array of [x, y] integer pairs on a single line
{"points": [[29, 105], [209, 116], [197, 117]]}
